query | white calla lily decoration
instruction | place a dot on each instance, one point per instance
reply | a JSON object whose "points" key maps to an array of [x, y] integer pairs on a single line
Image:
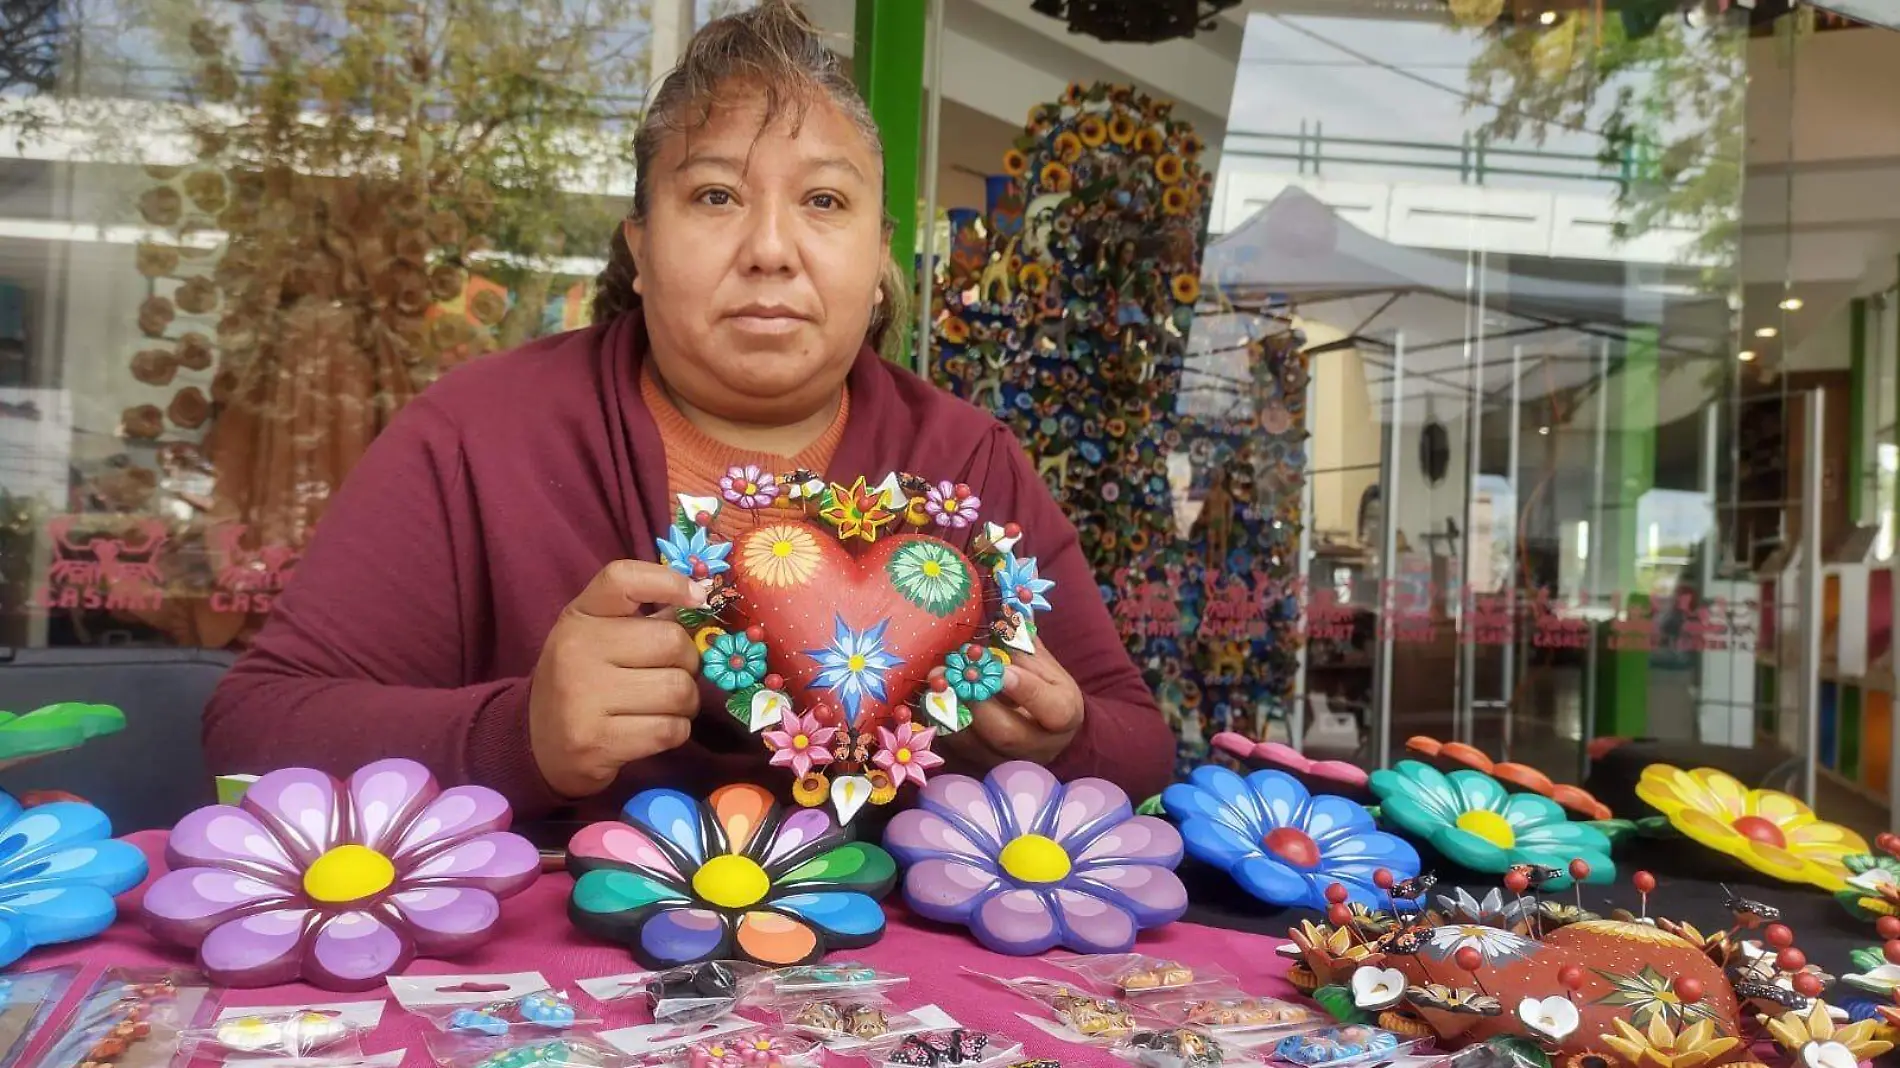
{"points": [[1552, 1017]]}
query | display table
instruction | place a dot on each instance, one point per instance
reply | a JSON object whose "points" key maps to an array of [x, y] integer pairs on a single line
{"points": [[534, 935]]}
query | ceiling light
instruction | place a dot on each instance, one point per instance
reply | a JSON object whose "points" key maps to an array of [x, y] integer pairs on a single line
{"points": [[1766, 331], [1746, 355], [1548, 18], [1543, 430], [1791, 304]]}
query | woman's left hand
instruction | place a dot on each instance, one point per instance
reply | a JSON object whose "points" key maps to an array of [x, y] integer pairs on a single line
{"points": [[1034, 718]]}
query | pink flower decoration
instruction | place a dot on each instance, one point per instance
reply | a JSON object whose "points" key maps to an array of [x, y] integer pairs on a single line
{"points": [[905, 753], [338, 884], [800, 743], [952, 505], [749, 487], [1318, 776]]}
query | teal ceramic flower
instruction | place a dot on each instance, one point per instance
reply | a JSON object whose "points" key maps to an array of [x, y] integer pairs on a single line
{"points": [[733, 661], [1470, 818], [974, 673]]}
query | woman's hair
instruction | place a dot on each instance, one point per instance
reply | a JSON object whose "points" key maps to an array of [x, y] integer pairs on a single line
{"points": [[771, 49]]}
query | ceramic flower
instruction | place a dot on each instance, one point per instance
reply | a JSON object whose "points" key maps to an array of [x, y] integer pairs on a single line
{"points": [[801, 743], [855, 664], [1492, 911], [749, 487], [338, 884], [1801, 1034], [60, 868], [1029, 863], [905, 753], [1318, 776], [1283, 845], [1659, 1045], [693, 555], [1470, 818], [1768, 831], [735, 877], [1553, 1017], [1374, 989], [782, 556], [952, 506], [1873, 888], [733, 661], [974, 674], [1494, 947], [857, 511], [1517, 778], [1022, 585], [930, 575]]}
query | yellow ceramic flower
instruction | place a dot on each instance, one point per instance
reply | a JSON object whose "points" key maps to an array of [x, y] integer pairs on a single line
{"points": [[1793, 1032], [1766, 830], [1661, 1046]]}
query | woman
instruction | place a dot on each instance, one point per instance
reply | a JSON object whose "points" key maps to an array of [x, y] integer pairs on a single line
{"points": [[454, 606]]}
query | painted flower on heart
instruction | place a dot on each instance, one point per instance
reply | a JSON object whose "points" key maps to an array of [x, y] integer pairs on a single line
{"points": [[1764, 829], [952, 506], [1493, 946], [781, 555], [60, 868], [734, 877], [1028, 863], [801, 743], [273, 891], [930, 575], [1470, 818], [905, 753], [854, 665], [1650, 995], [1021, 585], [749, 487], [693, 555], [1492, 911], [1282, 844], [733, 661]]}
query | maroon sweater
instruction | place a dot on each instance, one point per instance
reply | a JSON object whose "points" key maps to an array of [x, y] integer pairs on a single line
{"points": [[418, 611]]}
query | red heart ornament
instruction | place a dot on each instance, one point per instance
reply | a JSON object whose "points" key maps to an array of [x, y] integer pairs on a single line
{"points": [[854, 631]]}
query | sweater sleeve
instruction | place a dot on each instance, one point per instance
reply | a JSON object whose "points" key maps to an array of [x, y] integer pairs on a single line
{"points": [[1124, 737], [367, 653]]}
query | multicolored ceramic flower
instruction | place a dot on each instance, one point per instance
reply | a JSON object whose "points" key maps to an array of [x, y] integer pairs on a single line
{"points": [[59, 871], [1469, 817], [338, 884], [857, 511], [801, 743], [1318, 776], [1517, 778], [1495, 947], [1030, 864], [733, 661], [693, 555], [905, 753], [749, 487], [854, 664], [1766, 830], [1873, 888], [930, 575], [1022, 585], [974, 673], [952, 505], [1284, 845], [737, 876]]}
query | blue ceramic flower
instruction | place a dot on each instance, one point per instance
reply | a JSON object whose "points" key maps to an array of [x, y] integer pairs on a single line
{"points": [[1022, 585], [1470, 818], [689, 553], [1284, 845], [733, 661], [60, 868], [855, 664]]}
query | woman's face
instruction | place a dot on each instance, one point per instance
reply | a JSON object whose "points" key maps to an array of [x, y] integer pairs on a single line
{"points": [[759, 259]]}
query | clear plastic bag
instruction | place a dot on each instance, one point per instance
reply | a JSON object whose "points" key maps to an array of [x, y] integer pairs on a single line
{"points": [[1226, 1011], [842, 979], [957, 1047], [1080, 1016], [131, 1018], [758, 1047], [1138, 975], [852, 1020], [27, 1001], [1341, 1046], [576, 1049], [490, 1005], [297, 1031], [1178, 1047], [693, 993]]}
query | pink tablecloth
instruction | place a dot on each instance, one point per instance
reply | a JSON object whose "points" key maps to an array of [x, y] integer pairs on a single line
{"points": [[536, 936]]}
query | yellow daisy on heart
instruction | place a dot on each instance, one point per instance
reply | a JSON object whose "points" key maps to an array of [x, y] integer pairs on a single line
{"points": [[1764, 829], [781, 555]]}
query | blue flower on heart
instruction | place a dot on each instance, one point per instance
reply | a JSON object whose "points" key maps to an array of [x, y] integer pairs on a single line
{"points": [[1282, 844], [60, 868], [854, 665], [1022, 585]]}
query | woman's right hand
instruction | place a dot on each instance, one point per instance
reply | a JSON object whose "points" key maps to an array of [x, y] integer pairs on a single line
{"points": [[614, 683]]}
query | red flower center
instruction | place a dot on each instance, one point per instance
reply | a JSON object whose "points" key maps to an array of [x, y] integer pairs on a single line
{"points": [[1757, 829], [1293, 846]]}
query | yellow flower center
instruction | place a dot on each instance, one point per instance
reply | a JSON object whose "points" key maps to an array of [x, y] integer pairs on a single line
{"points": [[1489, 826], [1035, 859], [731, 882], [856, 663], [950, 505], [348, 873], [781, 549], [751, 488], [903, 756], [933, 569], [800, 741]]}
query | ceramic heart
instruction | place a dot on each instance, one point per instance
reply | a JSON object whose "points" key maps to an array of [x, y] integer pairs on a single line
{"points": [[854, 636]]}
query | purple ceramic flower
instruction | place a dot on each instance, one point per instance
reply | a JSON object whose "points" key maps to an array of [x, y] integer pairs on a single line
{"points": [[338, 884], [749, 487], [1030, 864], [952, 505]]}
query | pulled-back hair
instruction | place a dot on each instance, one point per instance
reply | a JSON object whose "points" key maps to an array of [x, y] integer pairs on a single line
{"points": [[772, 49]]}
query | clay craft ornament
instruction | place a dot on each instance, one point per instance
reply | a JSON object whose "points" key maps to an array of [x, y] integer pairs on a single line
{"points": [[1771, 832], [1028, 863], [60, 869], [735, 877], [53, 729], [338, 884], [850, 663]]}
